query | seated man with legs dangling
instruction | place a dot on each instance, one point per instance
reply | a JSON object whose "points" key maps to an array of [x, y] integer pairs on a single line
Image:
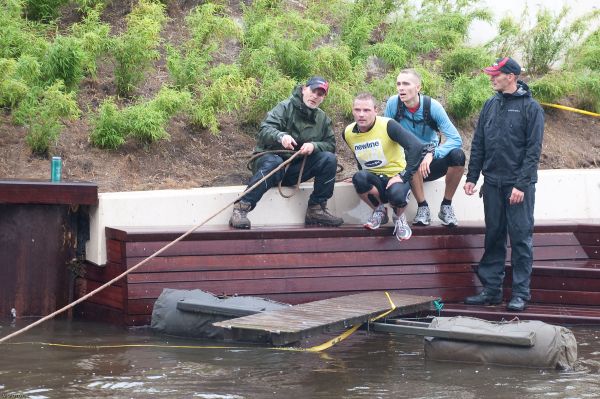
{"points": [[387, 156], [295, 124], [425, 117]]}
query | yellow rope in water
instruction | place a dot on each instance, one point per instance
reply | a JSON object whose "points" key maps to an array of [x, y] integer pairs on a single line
{"points": [[563, 107], [314, 349]]}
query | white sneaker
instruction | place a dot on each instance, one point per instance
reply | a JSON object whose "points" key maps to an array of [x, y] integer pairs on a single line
{"points": [[423, 216], [378, 218], [447, 216], [402, 230]]}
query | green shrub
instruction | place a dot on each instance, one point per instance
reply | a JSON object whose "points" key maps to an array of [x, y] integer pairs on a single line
{"points": [[64, 61], [272, 90], [19, 36], [332, 62], [383, 88], [432, 83], [552, 87], [550, 38], [11, 90], [468, 95], [136, 49], [587, 55], [43, 10], [145, 121], [108, 127], [45, 124], [186, 69], [506, 42], [437, 25], [260, 63], [226, 90], [587, 90], [464, 60], [392, 54], [95, 40], [339, 99]]}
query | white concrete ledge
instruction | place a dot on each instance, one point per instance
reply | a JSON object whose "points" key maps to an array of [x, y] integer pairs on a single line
{"points": [[561, 195]]}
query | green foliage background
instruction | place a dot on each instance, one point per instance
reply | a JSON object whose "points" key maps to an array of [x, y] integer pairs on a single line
{"points": [[357, 45]]}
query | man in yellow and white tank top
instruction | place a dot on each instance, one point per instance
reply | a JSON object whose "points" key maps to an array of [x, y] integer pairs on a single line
{"points": [[387, 156]]}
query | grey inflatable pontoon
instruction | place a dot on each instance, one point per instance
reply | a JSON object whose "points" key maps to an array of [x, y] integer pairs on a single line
{"points": [[191, 313]]}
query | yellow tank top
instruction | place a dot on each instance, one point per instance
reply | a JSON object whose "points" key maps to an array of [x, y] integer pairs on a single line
{"points": [[375, 150]]}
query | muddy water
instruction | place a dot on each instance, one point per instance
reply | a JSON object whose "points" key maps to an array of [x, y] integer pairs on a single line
{"points": [[367, 365]]}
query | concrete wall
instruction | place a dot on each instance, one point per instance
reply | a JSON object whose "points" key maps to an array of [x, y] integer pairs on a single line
{"points": [[561, 194]]}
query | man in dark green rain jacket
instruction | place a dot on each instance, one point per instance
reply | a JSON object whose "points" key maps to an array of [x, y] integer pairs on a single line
{"points": [[295, 124]]}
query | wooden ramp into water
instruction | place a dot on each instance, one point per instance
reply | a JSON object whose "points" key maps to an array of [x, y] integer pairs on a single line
{"points": [[301, 321]]}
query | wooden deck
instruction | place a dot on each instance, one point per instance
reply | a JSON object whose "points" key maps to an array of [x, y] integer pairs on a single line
{"points": [[301, 321], [297, 265]]}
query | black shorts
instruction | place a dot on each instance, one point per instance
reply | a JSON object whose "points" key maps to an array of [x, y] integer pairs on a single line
{"points": [[439, 166]]}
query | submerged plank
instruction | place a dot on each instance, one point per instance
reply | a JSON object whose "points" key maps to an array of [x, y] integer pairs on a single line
{"points": [[301, 321]]}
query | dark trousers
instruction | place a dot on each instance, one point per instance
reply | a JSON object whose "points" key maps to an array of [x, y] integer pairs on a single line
{"points": [[321, 165], [397, 195], [516, 220]]}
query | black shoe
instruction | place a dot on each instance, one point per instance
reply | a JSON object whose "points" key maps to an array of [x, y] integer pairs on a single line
{"points": [[483, 298], [517, 304]]}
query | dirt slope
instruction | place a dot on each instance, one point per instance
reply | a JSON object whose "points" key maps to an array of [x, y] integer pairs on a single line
{"points": [[195, 158]]}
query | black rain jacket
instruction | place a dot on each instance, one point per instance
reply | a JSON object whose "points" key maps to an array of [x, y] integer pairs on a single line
{"points": [[507, 143]]}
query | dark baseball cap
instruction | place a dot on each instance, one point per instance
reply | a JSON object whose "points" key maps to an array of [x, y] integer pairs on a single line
{"points": [[503, 65], [317, 82]]}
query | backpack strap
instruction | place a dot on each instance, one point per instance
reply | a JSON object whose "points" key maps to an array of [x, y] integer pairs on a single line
{"points": [[427, 113], [427, 119]]}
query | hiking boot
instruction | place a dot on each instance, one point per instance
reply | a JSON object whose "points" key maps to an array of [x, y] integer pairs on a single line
{"points": [[517, 304], [378, 218], [402, 230], [447, 217], [319, 215], [423, 216], [239, 217], [483, 298]]}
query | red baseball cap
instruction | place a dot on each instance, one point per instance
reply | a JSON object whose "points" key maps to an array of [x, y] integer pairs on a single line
{"points": [[317, 82], [503, 65]]}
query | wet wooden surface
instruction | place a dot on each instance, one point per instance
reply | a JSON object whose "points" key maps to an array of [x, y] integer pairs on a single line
{"points": [[301, 321]]}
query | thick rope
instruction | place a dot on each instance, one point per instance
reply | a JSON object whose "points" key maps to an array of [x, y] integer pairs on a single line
{"points": [[161, 250], [279, 187]]}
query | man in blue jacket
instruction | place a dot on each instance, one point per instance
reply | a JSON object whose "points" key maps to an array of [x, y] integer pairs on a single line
{"points": [[426, 119], [506, 149]]}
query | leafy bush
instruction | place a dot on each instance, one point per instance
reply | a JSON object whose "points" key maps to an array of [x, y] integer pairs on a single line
{"points": [[587, 90], [95, 40], [438, 25], [64, 61], [19, 36], [45, 122], [108, 127], [392, 54], [550, 38], [208, 26], [137, 47], [144, 122], [225, 90], [506, 42], [464, 60], [272, 90], [587, 55], [468, 95], [552, 87], [43, 10]]}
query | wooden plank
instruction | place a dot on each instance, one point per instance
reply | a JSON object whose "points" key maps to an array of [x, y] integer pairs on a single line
{"points": [[257, 274], [303, 245], [142, 234], [301, 321], [317, 284], [13, 191]]}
